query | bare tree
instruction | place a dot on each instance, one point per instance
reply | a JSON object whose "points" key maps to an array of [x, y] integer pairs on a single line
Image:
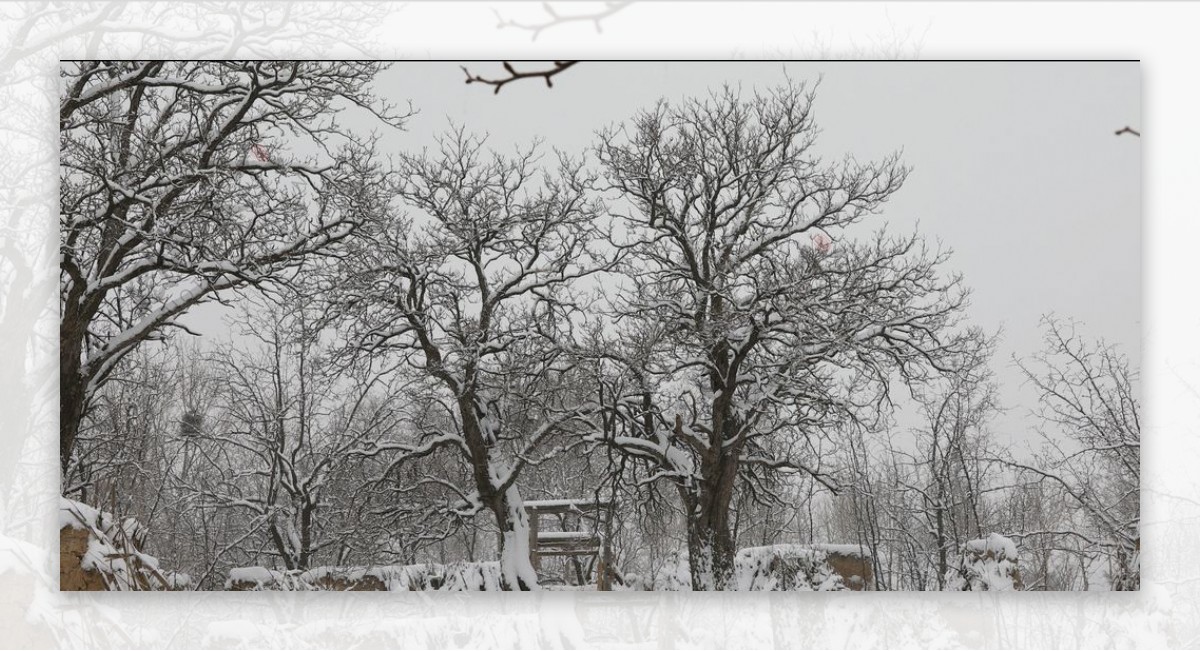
{"points": [[472, 291], [950, 466], [764, 324], [182, 180], [702, 324], [1092, 443], [290, 413]]}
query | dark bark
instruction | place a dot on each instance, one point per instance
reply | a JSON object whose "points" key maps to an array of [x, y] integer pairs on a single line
{"points": [[72, 384]]}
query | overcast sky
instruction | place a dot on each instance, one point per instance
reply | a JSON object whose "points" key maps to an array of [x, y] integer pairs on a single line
{"points": [[1016, 167]]}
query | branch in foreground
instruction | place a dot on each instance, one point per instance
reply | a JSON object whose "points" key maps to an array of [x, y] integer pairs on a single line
{"points": [[514, 75], [554, 18]]}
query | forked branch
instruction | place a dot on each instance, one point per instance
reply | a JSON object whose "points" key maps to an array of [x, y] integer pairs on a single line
{"points": [[515, 75]]}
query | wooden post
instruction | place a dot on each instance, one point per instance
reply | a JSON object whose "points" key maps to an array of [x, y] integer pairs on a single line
{"points": [[534, 557], [602, 581]]}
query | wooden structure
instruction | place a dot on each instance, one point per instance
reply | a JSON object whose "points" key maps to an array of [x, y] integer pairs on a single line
{"points": [[585, 539]]}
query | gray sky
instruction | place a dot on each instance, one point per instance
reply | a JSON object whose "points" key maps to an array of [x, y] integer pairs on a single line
{"points": [[1015, 166]]}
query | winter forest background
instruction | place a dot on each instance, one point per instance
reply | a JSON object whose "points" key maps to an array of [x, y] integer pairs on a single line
{"points": [[725, 326]]}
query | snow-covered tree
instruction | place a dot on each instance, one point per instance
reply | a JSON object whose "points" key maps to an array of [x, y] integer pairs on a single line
{"points": [[699, 344], [470, 286], [182, 180], [949, 467], [289, 413], [1092, 444], [760, 319]]}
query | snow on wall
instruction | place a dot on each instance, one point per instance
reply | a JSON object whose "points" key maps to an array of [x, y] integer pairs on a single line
{"points": [[785, 568], [451, 577], [782, 567], [98, 551], [261, 578], [854, 551]]}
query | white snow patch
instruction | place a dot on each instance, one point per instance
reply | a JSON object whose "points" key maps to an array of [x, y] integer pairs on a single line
{"points": [[986, 564]]}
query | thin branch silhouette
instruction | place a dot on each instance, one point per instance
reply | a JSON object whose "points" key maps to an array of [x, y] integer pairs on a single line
{"points": [[554, 18], [515, 75]]}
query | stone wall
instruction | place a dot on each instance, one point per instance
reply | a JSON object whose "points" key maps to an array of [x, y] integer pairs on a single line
{"points": [[98, 551]]}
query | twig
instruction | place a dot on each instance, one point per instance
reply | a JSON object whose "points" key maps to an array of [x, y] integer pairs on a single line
{"points": [[554, 18], [514, 75]]}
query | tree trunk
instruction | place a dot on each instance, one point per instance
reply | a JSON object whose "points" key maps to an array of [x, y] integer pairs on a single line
{"points": [[943, 553], [710, 557], [711, 545], [71, 401], [516, 569]]}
